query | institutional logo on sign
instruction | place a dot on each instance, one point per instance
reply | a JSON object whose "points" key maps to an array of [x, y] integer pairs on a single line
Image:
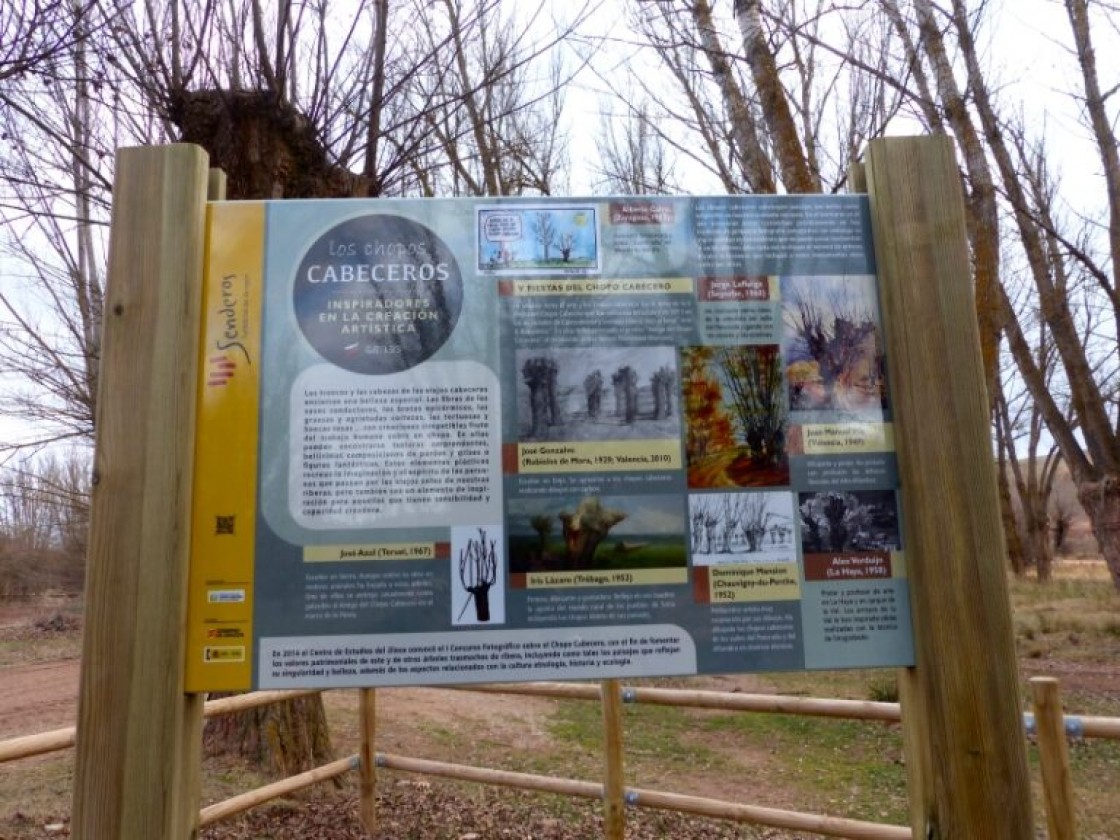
{"points": [[225, 633], [226, 596], [224, 653], [220, 370]]}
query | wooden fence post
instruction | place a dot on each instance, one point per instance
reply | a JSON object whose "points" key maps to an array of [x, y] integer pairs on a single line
{"points": [[614, 790], [367, 726], [1053, 758], [136, 772], [961, 713]]}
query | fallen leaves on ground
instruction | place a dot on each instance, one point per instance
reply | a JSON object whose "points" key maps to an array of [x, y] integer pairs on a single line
{"points": [[409, 810]]}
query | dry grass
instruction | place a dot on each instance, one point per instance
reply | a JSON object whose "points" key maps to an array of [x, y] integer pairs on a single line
{"points": [[1074, 618]]}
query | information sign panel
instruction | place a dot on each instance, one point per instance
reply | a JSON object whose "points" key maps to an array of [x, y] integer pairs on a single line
{"points": [[446, 441]]}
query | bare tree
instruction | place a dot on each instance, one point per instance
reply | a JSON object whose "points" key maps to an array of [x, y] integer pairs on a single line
{"points": [[635, 160], [1073, 278], [498, 130], [759, 99], [44, 511], [36, 35], [54, 204], [544, 232], [1032, 473]]}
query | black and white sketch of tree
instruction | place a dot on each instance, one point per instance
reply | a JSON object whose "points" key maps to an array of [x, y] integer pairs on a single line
{"points": [[597, 393], [741, 528]]}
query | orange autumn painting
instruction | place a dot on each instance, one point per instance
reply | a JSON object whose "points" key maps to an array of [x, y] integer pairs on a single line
{"points": [[736, 417]]}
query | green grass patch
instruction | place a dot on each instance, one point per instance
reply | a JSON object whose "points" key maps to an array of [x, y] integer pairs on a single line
{"points": [[840, 767], [651, 734], [848, 767], [856, 684]]}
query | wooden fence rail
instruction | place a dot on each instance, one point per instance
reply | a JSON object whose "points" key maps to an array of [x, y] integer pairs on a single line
{"points": [[258, 796], [1048, 722], [61, 739]]}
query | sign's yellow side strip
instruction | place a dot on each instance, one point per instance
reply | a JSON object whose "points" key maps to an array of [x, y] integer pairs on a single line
{"points": [[220, 606]]}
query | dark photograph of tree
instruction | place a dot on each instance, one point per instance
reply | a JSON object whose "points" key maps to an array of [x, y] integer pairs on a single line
{"points": [[585, 533], [599, 393], [860, 520], [736, 417], [833, 344]]}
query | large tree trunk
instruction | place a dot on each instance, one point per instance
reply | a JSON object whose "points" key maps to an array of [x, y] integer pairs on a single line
{"points": [[1101, 500], [793, 161], [1015, 552], [1038, 535], [751, 148], [283, 738]]}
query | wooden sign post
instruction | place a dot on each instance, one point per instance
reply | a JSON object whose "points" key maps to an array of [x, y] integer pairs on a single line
{"points": [[139, 735], [966, 754]]}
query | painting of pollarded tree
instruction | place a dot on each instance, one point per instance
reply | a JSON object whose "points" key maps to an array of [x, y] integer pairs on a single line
{"points": [[595, 533], [743, 527], [858, 520], [736, 418], [833, 344], [597, 393]]}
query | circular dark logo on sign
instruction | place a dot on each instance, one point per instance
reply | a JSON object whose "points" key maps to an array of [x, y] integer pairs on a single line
{"points": [[378, 294]]}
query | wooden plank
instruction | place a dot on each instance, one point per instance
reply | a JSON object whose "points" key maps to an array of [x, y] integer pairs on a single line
{"points": [[41, 743], [1053, 758], [186, 816], [367, 720], [614, 790], [771, 817], [133, 775], [960, 702]]}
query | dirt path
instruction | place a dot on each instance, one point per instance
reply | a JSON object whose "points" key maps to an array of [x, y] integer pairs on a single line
{"points": [[1096, 679], [36, 698]]}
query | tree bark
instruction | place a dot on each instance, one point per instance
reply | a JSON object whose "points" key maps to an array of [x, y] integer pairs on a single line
{"points": [[282, 738], [1101, 500], [792, 160], [755, 162]]}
